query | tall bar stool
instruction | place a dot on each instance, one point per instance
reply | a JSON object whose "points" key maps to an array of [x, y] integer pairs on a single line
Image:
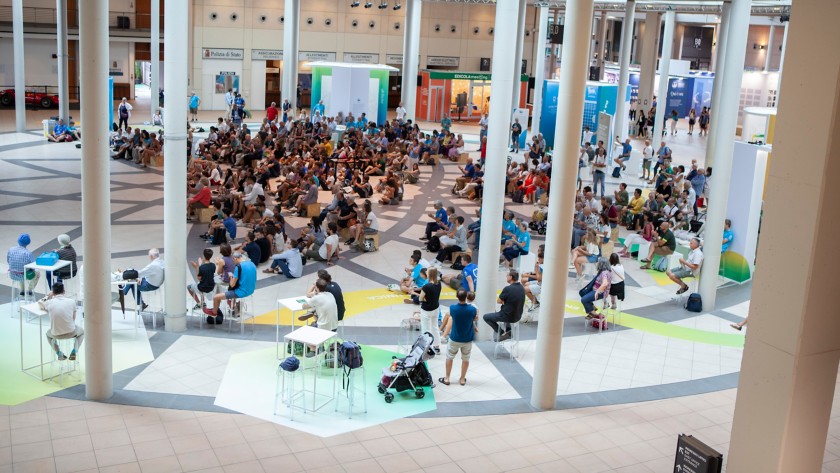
{"points": [[67, 366], [351, 388], [284, 389], [155, 302], [16, 298], [511, 344], [246, 311]]}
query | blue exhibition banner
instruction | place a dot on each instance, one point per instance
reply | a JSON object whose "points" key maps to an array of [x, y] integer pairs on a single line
{"points": [[111, 101], [702, 94], [680, 95], [634, 85], [548, 114]]}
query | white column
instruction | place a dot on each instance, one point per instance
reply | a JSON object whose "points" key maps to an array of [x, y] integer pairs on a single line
{"points": [[539, 68], [621, 111], [782, 63], [520, 46], [570, 97], [647, 72], [727, 119], [664, 67], [602, 44], [723, 33], [154, 84], [96, 198], [497, 145], [174, 171], [20, 79], [61, 52], [633, 48], [680, 42], [411, 56], [768, 54], [553, 58], [291, 51]]}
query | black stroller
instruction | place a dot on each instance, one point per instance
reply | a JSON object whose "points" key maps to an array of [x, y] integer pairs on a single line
{"points": [[409, 372]]}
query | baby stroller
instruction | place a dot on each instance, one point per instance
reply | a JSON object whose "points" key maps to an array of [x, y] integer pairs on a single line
{"points": [[409, 372]]}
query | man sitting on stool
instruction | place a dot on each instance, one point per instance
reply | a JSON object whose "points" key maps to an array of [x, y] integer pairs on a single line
{"points": [[243, 282], [62, 312], [690, 267], [512, 299], [151, 277], [324, 305]]}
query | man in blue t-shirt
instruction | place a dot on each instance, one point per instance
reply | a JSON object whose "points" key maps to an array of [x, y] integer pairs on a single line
{"points": [[461, 336], [195, 101], [467, 279], [441, 221], [728, 235], [508, 226], [243, 282]]}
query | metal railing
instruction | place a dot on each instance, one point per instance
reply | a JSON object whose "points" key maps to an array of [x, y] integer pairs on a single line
{"points": [[34, 16], [73, 92]]}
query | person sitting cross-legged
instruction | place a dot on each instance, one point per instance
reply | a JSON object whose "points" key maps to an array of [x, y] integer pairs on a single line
{"points": [[690, 267], [288, 262], [243, 282]]}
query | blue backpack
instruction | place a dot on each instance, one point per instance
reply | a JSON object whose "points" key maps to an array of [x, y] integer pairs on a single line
{"points": [[694, 303], [350, 355]]}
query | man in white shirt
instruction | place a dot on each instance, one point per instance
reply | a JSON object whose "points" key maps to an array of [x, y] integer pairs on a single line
{"points": [[690, 267], [401, 112], [483, 129], [323, 302], [62, 312], [151, 277], [329, 250], [229, 102], [647, 157], [370, 226]]}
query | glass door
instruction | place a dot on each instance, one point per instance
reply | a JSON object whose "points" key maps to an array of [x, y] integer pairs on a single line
{"points": [[479, 99]]}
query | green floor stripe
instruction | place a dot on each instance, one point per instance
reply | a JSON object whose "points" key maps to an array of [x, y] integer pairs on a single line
{"points": [[682, 333]]}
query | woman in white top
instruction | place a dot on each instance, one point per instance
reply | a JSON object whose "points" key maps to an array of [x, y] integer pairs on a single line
{"points": [[617, 279], [587, 252]]}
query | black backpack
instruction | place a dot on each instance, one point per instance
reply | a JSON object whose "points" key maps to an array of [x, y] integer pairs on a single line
{"points": [[616, 172], [518, 196], [434, 244], [219, 236]]}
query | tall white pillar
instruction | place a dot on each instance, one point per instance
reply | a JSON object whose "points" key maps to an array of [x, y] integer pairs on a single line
{"points": [[20, 77], [727, 120], [650, 48], [570, 97], [769, 51], [61, 52], [520, 46], [664, 67], [621, 111], [96, 198], [553, 59], [539, 68], [497, 145], [174, 171], [411, 56], [635, 43], [154, 84], [602, 44], [723, 33], [291, 50]]}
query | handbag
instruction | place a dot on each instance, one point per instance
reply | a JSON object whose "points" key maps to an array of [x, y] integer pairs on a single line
{"points": [[588, 288], [130, 274]]}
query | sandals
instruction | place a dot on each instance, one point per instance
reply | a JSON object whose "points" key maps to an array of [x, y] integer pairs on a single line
{"points": [[269, 271], [736, 327], [463, 382], [443, 381]]}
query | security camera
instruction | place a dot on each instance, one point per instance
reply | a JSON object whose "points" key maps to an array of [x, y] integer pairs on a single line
{"points": [[368, 4], [371, 24], [233, 16], [354, 4], [310, 20], [354, 23], [328, 21], [397, 6], [476, 30], [263, 18], [527, 33], [437, 27], [452, 28], [491, 30], [383, 5]]}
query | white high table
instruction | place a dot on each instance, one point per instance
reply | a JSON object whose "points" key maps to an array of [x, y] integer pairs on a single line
{"points": [[313, 338], [37, 313], [130, 282], [53, 268], [294, 304]]}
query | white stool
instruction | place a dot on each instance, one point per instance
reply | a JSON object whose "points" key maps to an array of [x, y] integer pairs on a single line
{"points": [[511, 344], [284, 392], [692, 284], [616, 313], [350, 390], [207, 298], [587, 322], [155, 302], [16, 298], [68, 366], [246, 311], [644, 249]]}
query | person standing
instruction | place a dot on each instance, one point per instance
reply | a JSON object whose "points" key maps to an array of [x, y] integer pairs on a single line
{"points": [[430, 307], [461, 335], [512, 300], [18, 257], [599, 171], [692, 119], [287, 107], [195, 101], [674, 119], [728, 235], [124, 113], [62, 311], [647, 157], [482, 124], [228, 103], [401, 113], [515, 131], [445, 123]]}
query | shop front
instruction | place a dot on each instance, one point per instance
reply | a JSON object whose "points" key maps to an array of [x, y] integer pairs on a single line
{"points": [[464, 96]]}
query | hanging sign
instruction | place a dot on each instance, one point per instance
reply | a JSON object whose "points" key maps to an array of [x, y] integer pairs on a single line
{"points": [[266, 54], [394, 59], [361, 58], [221, 53], [316, 56], [446, 61], [555, 34]]}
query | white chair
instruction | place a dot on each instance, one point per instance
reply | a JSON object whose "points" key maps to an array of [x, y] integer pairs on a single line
{"points": [[284, 392], [208, 302], [511, 344], [246, 311], [526, 263], [16, 298], [644, 249], [350, 390], [155, 302], [66, 367], [616, 313]]}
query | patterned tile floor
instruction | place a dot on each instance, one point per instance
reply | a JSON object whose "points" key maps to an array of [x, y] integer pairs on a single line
{"points": [[670, 351]]}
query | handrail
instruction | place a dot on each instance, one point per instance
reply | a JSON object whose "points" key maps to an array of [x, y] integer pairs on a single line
{"points": [[47, 16]]}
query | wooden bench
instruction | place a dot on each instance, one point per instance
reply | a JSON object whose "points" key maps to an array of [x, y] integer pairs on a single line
{"points": [[204, 215], [462, 158], [311, 210], [344, 233], [157, 160]]}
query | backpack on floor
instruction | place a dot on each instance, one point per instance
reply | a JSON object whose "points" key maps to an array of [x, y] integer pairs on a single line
{"points": [[518, 196], [369, 245], [616, 172], [694, 303], [434, 244], [661, 264], [219, 236]]}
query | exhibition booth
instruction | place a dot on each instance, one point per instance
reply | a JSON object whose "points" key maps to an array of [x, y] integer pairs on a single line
{"points": [[600, 98], [352, 88], [461, 95]]}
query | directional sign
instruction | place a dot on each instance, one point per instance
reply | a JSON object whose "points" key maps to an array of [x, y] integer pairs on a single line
{"points": [[694, 456]]}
